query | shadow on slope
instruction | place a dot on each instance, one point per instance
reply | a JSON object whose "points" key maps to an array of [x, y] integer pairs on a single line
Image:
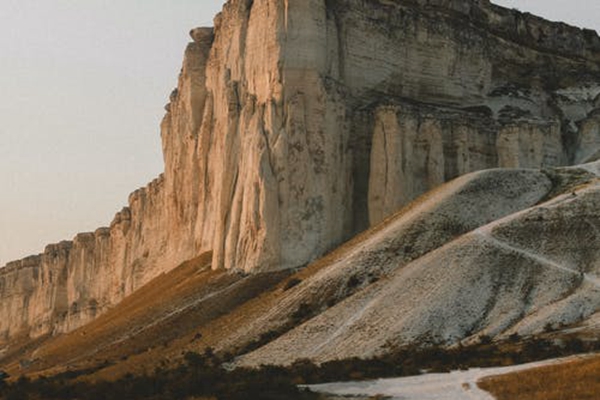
{"points": [[150, 322]]}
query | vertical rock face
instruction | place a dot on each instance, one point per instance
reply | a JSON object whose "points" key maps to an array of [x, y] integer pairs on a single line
{"points": [[278, 152], [73, 281], [298, 123], [415, 149], [326, 116]]}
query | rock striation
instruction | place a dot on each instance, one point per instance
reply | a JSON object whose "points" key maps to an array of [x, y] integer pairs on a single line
{"points": [[298, 123]]}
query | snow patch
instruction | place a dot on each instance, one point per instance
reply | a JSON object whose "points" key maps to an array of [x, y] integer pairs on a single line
{"points": [[440, 386]]}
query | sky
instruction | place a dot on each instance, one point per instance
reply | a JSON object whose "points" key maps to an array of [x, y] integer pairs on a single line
{"points": [[83, 85], [82, 90], [582, 13]]}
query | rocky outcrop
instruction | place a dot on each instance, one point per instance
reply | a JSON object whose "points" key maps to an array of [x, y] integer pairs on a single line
{"points": [[74, 281], [298, 123]]}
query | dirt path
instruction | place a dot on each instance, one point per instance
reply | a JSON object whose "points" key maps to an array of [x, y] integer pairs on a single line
{"points": [[444, 386], [536, 257]]}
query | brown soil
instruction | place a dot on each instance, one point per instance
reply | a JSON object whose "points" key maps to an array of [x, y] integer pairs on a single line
{"points": [[574, 380], [151, 328]]}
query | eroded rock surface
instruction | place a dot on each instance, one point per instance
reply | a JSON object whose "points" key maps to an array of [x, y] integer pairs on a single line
{"points": [[298, 123]]}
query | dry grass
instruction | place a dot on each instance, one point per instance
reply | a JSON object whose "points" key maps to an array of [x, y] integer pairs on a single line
{"points": [[187, 309], [160, 321], [576, 380]]}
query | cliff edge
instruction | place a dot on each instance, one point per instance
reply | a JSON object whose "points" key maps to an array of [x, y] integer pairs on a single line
{"points": [[298, 123]]}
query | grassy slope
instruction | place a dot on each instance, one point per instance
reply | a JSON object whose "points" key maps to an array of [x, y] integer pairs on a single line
{"points": [[576, 380], [151, 325]]}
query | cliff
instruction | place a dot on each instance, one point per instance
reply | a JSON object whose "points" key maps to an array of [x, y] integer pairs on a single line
{"points": [[298, 123]]}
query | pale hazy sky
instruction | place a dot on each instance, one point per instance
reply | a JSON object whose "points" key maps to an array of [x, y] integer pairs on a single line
{"points": [[82, 89], [83, 84]]}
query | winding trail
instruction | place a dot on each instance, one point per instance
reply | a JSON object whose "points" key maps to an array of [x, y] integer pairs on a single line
{"points": [[457, 384], [535, 256]]}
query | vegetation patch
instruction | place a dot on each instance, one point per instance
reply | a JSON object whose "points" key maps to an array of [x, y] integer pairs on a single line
{"points": [[202, 375], [576, 380]]}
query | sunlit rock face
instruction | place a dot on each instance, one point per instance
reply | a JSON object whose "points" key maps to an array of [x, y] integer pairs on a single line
{"points": [[73, 281], [416, 148], [308, 121], [298, 123]]}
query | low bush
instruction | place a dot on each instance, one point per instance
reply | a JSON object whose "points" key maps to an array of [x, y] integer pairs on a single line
{"points": [[292, 282], [201, 375]]}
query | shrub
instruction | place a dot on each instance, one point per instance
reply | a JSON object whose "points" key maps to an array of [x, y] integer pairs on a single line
{"points": [[201, 375], [302, 313], [292, 282], [353, 282]]}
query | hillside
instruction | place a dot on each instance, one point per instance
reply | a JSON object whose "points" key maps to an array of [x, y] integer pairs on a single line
{"points": [[454, 266], [518, 274]]}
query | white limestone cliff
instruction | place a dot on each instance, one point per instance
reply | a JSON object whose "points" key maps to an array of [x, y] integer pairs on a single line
{"points": [[298, 123]]}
